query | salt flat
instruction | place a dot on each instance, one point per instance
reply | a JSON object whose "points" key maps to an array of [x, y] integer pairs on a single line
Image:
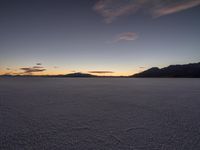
{"points": [[99, 114]]}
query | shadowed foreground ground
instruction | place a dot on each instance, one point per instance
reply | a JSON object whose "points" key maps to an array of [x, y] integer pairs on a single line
{"points": [[99, 114]]}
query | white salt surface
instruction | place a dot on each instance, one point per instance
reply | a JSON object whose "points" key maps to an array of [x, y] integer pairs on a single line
{"points": [[99, 114]]}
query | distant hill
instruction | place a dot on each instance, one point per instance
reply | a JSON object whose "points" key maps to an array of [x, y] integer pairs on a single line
{"points": [[178, 71], [71, 75], [79, 75]]}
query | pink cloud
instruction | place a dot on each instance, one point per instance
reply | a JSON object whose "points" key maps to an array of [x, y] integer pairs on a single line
{"points": [[110, 10], [126, 36], [177, 7]]}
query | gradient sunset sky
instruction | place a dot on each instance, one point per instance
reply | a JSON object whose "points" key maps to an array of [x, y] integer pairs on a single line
{"points": [[107, 37]]}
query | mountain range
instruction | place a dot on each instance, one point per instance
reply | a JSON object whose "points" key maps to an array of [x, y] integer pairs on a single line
{"points": [[177, 71], [191, 70]]}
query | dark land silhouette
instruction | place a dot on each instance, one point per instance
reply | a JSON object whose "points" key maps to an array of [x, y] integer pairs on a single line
{"points": [[191, 70], [178, 71], [79, 75]]}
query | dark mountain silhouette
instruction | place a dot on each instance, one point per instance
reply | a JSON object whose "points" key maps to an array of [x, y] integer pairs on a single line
{"points": [[181, 71], [79, 75], [71, 75], [176, 71]]}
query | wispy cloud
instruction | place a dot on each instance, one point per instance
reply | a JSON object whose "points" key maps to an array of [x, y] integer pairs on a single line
{"points": [[177, 7], [37, 67], [30, 70], [112, 9], [101, 72], [126, 36]]}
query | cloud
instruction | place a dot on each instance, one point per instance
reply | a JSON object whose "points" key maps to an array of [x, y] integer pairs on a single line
{"points": [[101, 72], [126, 36], [34, 69], [30, 70], [37, 67], [112, 9], [175, 8]]}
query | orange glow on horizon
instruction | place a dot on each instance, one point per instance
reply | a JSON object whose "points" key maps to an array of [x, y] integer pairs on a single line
{"points": [[64, 72]]}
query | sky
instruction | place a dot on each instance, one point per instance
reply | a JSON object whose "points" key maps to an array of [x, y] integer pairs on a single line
{"points": [[102, 37]]}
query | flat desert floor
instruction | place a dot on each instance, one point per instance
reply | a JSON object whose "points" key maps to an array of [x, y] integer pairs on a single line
{"points": [[99, 114]]}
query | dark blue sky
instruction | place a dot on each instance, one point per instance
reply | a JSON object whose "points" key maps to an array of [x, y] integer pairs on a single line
{"points": [[117, 36]]}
